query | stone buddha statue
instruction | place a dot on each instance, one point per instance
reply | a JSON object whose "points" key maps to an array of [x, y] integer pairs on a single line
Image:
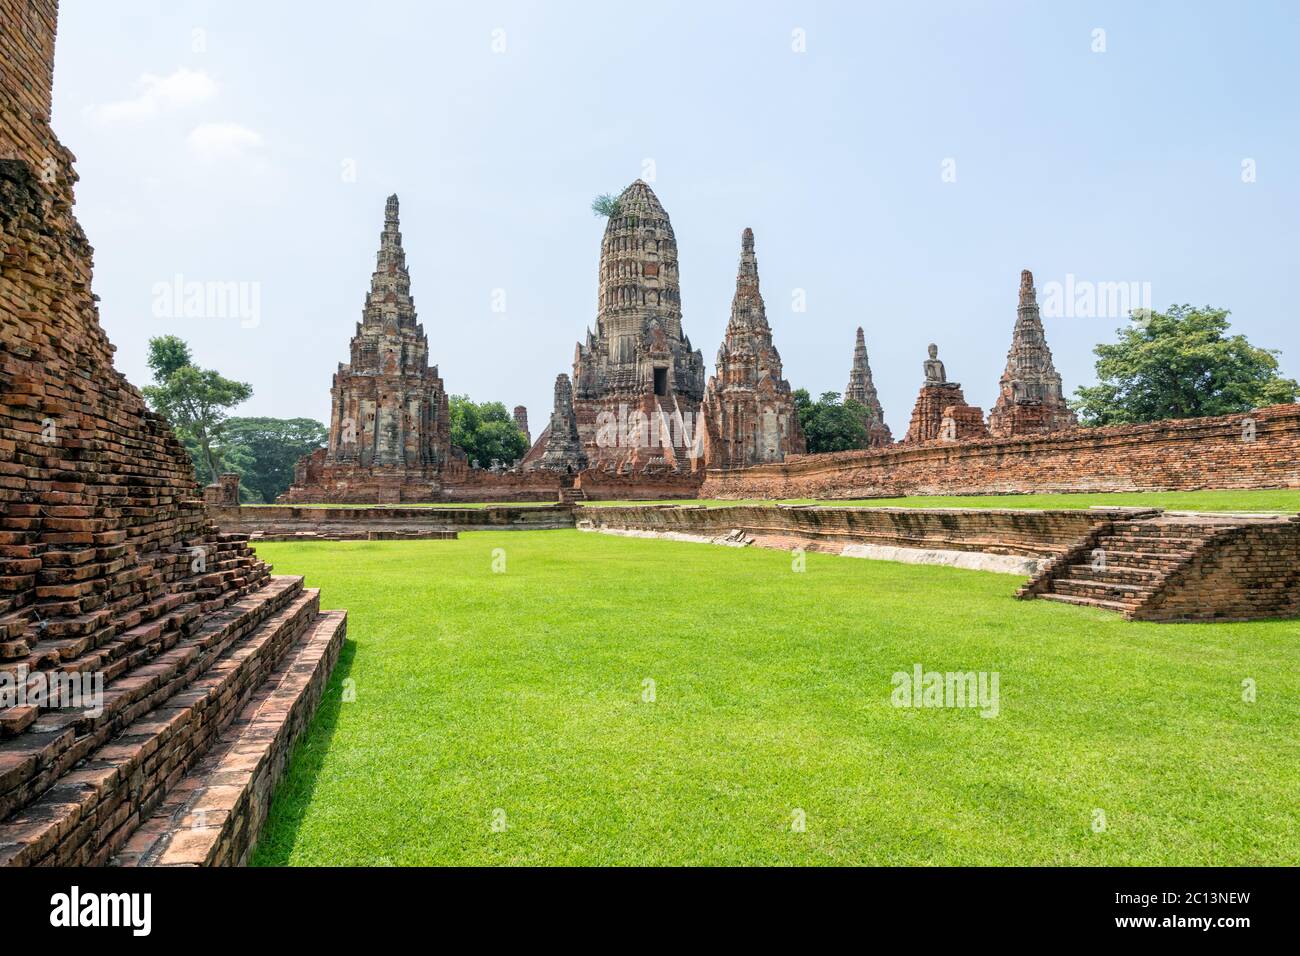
{"points": [[935, 373]]}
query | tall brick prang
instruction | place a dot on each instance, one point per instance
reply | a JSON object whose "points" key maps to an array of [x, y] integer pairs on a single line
{"points": [[1030, 399], [637, 383], [749, 409], [390, 424], [862, 389]]}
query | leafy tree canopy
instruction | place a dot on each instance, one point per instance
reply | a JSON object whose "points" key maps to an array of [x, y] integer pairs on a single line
{"points": [[485, 431], [196, 401], [1180, 364], [830, 424], [265, 450]]}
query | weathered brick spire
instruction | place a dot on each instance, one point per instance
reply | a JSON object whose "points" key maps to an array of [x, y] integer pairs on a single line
{"points": [[862, 389], [748, 407], [560, 439], [1030, 399], [389, 408]]}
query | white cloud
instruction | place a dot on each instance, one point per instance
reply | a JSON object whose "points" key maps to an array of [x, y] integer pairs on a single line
{"points": [[158, 95], [223, 140]]}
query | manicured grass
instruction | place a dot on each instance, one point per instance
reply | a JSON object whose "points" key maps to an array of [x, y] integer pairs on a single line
{"points": [[523, 692], [413, 504], [1281, 499]]}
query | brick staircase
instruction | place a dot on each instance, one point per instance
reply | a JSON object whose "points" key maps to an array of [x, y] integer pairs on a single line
{"points": [[1134, 566], [572, 496], [202, 677]]}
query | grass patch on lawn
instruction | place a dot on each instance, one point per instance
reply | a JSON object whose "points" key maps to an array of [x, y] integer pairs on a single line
{"points": [[522, 692], [407, 504], [1280, 499]]}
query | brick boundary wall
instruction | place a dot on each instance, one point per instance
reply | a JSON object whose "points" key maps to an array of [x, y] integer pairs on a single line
{"points": [[1180, 455], [322, 485], [1039, 534]]}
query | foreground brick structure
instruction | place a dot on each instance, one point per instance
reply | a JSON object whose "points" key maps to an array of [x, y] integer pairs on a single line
{"points": [[109, 566], [639, 362], [862, 389], [749, 412], [1030, 399], [1260, 449]]}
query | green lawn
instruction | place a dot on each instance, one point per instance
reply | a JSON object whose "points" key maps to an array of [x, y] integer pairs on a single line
{"points": [[1283, 499], [410, 504], [520, 695]]}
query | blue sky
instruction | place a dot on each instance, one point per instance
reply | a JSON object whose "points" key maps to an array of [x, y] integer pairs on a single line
{"points": [[900, 169]]}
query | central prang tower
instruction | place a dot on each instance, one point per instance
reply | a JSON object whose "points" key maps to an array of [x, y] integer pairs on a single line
{"points": [[638, 367]]}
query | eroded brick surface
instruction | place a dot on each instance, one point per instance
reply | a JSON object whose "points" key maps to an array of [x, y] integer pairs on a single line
{"points": [[109, 565]]}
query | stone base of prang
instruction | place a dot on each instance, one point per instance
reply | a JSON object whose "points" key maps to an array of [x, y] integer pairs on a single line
{"points": [[1260, 449], [475, 485], [1142, 563]]}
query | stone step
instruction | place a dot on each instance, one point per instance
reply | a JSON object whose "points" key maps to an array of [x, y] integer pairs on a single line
{"points": [[1122, 593], [1087, 602], [1154, 560], [213, 816], [156, 720], [1114, 574]]}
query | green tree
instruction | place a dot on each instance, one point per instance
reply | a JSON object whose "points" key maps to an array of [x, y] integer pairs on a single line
{"points": [[196, 401], [265, 450], [485, 431], [830, 424], [1180, 364]]}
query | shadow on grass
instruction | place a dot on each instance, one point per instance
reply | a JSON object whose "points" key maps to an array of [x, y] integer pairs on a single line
{"points": [[294, 792]]}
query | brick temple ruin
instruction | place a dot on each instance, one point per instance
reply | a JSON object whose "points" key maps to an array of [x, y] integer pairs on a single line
{"points": [[1030, 398], [638, 365], [154, 675], [749, 411], [862, 389], [390, 425]]}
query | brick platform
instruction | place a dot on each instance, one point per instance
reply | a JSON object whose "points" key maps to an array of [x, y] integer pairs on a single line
{"points": [[1034, 534], [1141, 563], [1182, 568], [288, 523]]}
